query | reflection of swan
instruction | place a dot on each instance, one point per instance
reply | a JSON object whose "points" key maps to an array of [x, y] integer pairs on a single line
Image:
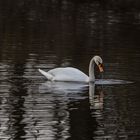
{"points": [[74, 90], [62, 87], [73, 74], [96, 101]]}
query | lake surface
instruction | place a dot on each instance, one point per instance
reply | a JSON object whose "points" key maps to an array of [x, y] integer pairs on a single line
{"points": [[50, 34]]}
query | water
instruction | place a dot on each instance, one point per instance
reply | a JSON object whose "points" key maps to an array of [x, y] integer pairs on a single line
{"points": [[50, 34]]}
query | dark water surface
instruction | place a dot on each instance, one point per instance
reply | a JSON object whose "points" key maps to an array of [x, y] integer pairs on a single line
{"points": [[49, 34]]}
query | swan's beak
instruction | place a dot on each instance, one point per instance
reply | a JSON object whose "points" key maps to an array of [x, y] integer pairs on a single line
{"points": [[100, 66]]}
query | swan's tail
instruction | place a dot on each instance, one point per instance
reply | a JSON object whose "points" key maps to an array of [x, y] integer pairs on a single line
{"points": [[46, 74]]}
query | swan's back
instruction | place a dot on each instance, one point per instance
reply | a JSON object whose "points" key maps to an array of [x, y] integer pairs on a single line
{"points": [[68, 74]]}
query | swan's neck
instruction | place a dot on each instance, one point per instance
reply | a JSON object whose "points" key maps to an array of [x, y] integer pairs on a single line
{"points": [[91, 71]]}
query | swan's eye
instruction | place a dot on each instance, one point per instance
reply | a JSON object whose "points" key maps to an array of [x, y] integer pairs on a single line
{"points": [[101, 64]]}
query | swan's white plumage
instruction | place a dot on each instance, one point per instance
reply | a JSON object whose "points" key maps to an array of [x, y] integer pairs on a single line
{"points": [[65, 74]]}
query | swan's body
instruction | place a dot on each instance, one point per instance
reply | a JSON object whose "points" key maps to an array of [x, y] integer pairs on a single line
{"points": [[66, 74], [72, 74]]}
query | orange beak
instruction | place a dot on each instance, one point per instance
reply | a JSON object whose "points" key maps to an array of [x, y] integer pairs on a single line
{"points": [[100, 66]]}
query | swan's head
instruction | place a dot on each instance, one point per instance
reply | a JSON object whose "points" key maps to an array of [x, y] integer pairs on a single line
{"points": [[99, 62]]}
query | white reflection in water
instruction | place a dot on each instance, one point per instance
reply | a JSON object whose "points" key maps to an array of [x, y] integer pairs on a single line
{"points": [[62, 87], [96, 101]]}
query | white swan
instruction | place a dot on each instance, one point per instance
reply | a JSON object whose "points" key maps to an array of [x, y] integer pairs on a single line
{"points": [[70, 74]]}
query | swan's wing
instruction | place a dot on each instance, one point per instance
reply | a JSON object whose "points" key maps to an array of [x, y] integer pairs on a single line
{"points": [[46, 74], [68, 74]]}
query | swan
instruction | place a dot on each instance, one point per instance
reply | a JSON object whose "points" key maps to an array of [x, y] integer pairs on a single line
{"points": [[70, 74]]}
